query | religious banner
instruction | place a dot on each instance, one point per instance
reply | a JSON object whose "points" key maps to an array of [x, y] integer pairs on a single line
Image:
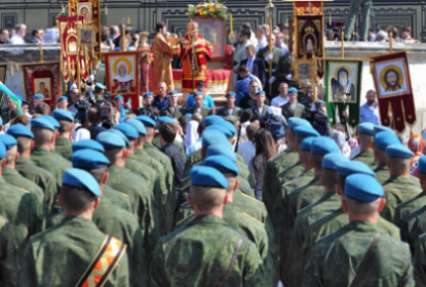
{"points": [[343, 90], [43, 78], [73, 64], [90, 10], [392, 80], [303, 8], [122, 75]]}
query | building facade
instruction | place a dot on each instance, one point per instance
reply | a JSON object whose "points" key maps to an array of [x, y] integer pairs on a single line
{"points": [[143, 14]]}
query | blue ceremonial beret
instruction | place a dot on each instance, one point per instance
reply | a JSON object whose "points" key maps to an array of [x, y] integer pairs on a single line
{"points": [[166, 120], [128, 130], [226, 128], [111, 140], [379, 128], [293, 90], [399, 151], [63, 115], [207, 177], [53, 121], [384, 139], [62, 99], [38, 97], [306, 144], [88, 159], [305, 131], [79, 178], [100, 86], [147, 121], [212, 136], [223, 149], [324, 145], [363, 188], [231, 95], [347, 167], [87, 144], [19, 130], [222, 163], [8, 141], [294, 122], [148, 94], [366, 129], [120, 133], [422, 164], [2, 150], [332, 160], [212, 120], [139, 126], [43, 123]]}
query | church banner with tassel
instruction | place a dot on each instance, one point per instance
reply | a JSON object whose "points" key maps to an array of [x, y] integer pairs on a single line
{"points": [[393, 85]]}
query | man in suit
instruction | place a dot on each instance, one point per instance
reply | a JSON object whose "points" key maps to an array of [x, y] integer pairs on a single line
{"points": [[230, 109], [250, 61], [293, 108], [260, 109]]}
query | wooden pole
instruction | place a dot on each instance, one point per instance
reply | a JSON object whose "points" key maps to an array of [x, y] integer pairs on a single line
{"points": [[342, 43]]}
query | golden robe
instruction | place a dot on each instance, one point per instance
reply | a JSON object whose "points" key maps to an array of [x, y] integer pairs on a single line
{"points": [[162, 64]]}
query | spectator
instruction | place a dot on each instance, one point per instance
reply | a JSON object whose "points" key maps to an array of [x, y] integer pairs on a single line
{"points": [[260, 109], [293, 108], [369, 112], [280, 44], [282, 97], [406, 36], [51, 36], [250, 60], [246, 88], [265, 150], [208, 101], [247, 149], [262, 40], [18, 38], [147, 109], [4, 36], [37, 37], [229, 109], [161, 101]]}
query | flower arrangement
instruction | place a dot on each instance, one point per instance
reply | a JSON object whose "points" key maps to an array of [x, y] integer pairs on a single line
{"points": [[208, 9]]}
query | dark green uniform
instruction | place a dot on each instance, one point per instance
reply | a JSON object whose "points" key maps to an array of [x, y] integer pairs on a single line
{"points": [[405, 210], [52, 162], [70, 247], [382, 174], [366, 157], [44, 179], [337, 258], [117, 198], [398, 190], [420, 261], [13, 177], [413, 226], [63, 146], [212, 253]]}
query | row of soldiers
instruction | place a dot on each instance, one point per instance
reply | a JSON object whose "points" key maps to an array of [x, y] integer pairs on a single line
{"points": [[340, 222]]}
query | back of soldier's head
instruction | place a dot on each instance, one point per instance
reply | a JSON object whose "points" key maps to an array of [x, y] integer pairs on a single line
{"points": [[168, 132], [24, 144], [75, 199], [206, 198], [42, 136]]}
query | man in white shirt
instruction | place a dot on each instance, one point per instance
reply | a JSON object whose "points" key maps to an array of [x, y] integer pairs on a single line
{"points": [[282, 97], [370, 110], [18, 37]]}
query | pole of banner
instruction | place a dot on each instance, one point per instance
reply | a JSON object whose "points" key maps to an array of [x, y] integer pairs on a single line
{"points": [[41, 53], [270, 10], [390, 42], [342, 43]]}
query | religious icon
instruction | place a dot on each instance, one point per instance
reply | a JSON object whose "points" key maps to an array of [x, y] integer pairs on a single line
{"points": [[85, 9], [122, 73], [42, 86], [343, 80], [391, 77], [309, 37], [213, 30]]}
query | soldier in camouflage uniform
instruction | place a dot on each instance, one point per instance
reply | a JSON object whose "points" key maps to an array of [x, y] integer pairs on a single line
{"points": [[366, 141], [63, 144], [382, 140]]}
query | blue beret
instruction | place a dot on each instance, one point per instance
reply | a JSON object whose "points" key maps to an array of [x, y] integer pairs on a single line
{"points": [[88, 159], [128, 130], [384, 139], [306, 144], [8, 141], [53, 121], [422, 164], [366, 129], [19, 130], [223, 149], [87, 144], [222, 163], [277, 130], [139, 126], [63, 115], [166, 120], [111, 140], [226, 128], [399, 151], [293, 90], [2, 150], [324, 145], [148, 94], [147, 121], [118, 98], [363, 188], [38, 97], [379, 128], [212, 120], [347, 167], [123, 136], [100, 86], [62, 99], [207, 177], [79, 178], [332, 160], [305, 131], [294, 122], [43, 123], [231, 94], [212, 136]]}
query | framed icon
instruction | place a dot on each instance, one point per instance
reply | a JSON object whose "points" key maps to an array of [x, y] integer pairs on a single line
{"points": [[343, 80]]}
